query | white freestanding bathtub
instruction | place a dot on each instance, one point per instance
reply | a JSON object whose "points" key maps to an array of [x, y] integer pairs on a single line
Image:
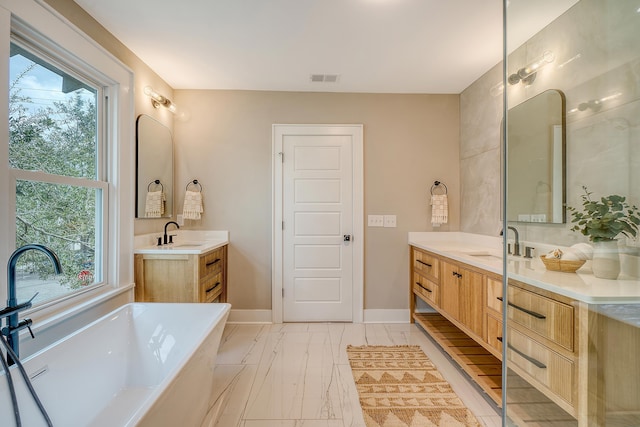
{"points": [[144, 364]]}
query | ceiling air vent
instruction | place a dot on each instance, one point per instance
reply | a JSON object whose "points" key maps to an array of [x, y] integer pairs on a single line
{"points": [[324, 78]]}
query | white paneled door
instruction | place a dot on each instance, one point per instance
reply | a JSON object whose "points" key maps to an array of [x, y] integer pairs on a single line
{"points": [[318, 227]]}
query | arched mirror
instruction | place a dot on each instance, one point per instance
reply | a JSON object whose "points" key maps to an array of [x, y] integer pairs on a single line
{"points": [[536, 159], [154, 169]]}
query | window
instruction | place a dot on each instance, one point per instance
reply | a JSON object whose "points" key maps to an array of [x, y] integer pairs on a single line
{"points": [[57, 163], [67, 168]]}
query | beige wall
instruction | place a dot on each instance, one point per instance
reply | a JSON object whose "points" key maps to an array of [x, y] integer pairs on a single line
{"points": [[143, 76], [409, 141]]}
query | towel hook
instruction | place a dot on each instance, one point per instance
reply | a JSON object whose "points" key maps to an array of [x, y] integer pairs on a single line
{"points": [[194, 182], [437, 184], [156, 182]]}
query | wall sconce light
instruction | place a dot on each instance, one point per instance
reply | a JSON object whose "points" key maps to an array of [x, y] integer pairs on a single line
{"points": [[595, 105], [527, 74], [158, 100]]}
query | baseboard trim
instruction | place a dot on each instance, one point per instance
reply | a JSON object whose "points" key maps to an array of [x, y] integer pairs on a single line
{"points": [[370, 316], [250, 316], [386, 316]]}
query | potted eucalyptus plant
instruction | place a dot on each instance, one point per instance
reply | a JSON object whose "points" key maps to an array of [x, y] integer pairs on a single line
{"points": [[602, 221]]}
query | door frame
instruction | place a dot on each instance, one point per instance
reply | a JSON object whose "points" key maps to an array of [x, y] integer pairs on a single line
{"points": [[356, 131]]}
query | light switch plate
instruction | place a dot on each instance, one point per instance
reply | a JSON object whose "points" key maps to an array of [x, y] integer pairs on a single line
{"points": [[375, 221], [389, 220], [180, 220]]}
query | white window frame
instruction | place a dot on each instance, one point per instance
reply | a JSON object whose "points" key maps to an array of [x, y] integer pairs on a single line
{"points": [[62, 40]]}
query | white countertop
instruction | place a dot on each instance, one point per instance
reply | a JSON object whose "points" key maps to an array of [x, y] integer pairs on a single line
{"points": [[185, 242], [486, 252]]}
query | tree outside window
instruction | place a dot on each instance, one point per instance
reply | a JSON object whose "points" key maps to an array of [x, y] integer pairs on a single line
{"points": [[55, 157]]}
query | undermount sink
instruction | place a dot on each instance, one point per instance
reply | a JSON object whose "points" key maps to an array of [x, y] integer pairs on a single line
{"points": [[481, 253], [491, 255], [184, 244]]}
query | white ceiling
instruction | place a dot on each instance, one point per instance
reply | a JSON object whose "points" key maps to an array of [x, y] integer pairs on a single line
{"points": [[383, 46]]}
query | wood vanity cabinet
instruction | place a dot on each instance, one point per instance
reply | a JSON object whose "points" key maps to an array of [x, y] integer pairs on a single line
{"points": [[457, 292], [182, 277], [559, 350], [542, 342]]}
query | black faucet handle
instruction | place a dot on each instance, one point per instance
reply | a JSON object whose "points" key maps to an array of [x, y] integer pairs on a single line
{"points": [[33, 297], [33, 337]]}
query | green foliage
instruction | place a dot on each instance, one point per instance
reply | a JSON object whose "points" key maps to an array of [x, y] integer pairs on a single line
{"points": [[606, 218], [59, 138]]}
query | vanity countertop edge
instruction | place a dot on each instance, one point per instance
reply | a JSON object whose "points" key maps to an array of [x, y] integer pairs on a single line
{"points": [[187, 242], [582, 285]]}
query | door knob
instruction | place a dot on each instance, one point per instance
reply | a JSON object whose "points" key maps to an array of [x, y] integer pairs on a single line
{"points": [[347, 237]]}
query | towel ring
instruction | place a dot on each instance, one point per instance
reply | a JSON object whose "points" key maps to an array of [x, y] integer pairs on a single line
{"points": [[194, 182], [436, 185], [156, 182]]}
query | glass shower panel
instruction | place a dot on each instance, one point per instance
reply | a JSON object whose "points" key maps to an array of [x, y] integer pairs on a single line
{"points": [[571, 329]]}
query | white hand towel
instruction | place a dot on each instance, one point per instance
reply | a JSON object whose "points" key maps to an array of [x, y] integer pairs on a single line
{"points": [[154, 204], [439, 209], [192, 205]]}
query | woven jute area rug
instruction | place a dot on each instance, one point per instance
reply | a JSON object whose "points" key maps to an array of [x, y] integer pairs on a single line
{"points": [[399, 386]]}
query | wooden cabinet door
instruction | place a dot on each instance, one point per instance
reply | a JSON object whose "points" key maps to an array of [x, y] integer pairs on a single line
{"points": [[450, 290], [462, 296], [471, 300]]}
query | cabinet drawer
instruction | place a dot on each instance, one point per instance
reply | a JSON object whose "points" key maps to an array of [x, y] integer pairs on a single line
{"points": [[211, 288], [544, 365], [426, 289], [211, 262], [427, 265], [494, 295], [551, 319]]}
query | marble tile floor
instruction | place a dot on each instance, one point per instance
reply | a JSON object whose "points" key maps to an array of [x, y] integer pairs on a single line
{"points": [[298, 374]]}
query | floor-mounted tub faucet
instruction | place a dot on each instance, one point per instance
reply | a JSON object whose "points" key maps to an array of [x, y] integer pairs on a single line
{"points": [[10, 312], [516, 242]]}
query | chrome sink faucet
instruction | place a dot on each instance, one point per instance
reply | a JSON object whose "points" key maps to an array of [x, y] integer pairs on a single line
{"points": [[166, 238], [516, 243], [10, 312]]}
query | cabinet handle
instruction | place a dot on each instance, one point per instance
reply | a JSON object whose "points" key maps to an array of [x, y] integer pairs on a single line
{"points": [[499, 339], [524, 310], [536, 362], [213, 287], [458, 275], [424, 263], [213, 262], [420, 284]]}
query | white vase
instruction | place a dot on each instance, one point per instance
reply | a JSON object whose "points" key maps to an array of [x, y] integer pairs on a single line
{"points": [[606, 259]]}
